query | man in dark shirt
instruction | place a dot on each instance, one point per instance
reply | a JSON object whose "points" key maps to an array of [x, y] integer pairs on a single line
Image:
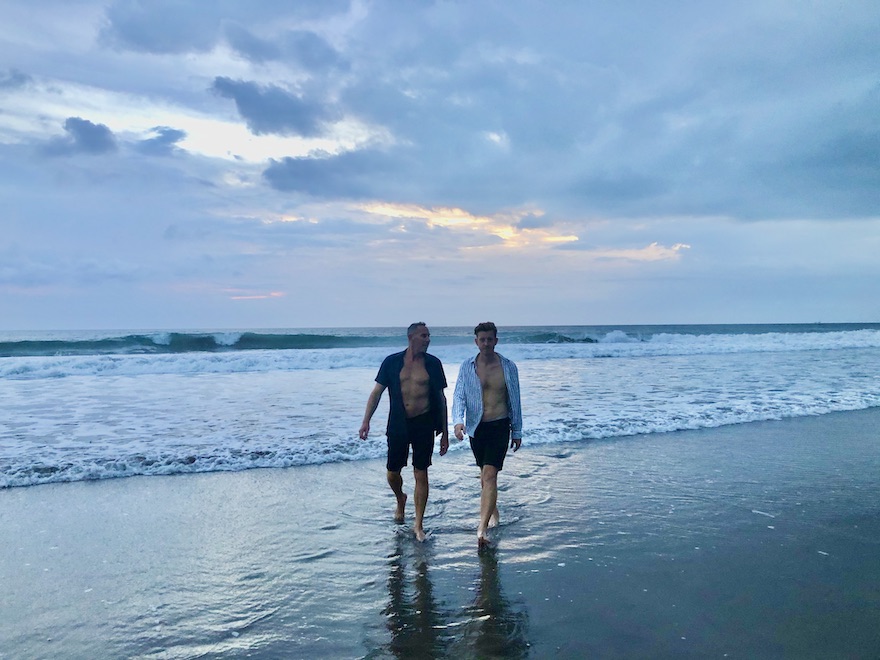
{"points": [[415, 383]]}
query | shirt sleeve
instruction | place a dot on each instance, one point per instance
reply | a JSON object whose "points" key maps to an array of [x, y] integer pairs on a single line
{"points": [[514, 401], [382, 377], [441, 375], [458, 396]]}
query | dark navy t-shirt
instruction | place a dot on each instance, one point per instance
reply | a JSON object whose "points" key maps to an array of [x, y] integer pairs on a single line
{"points": [[389, 376]]}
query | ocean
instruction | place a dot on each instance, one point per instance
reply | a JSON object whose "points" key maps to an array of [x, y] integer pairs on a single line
{"points": [[681, 492], [80, 405]]}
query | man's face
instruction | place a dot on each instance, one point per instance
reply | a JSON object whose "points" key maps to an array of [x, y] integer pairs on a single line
{"points": [[420, 339], [486, 341]]}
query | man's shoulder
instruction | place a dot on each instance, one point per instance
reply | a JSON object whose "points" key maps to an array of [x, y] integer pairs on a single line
{"points": [[391, 361], [433, 361], [394, 356]]}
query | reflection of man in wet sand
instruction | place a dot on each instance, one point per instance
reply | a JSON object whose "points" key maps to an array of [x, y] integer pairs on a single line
{"points": [[415, 382], [498, 627], [414, 618], [486, 406]]}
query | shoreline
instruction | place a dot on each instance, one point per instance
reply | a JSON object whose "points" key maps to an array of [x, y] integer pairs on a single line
{"points": [[752, 540]]}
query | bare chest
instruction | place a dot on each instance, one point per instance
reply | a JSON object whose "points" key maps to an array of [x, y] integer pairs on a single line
{"points": [[414, 377], [491, 377]]}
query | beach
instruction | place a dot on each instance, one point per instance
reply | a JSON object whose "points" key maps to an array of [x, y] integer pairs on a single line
{"points": [[754, 540]]}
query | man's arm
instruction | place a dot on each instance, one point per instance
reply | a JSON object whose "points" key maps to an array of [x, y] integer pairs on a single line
{"points": [[458, 404], [372, 404], [444, 436], [515, 408]]}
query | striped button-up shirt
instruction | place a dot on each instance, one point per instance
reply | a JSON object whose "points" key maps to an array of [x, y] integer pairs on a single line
{"points": [[467, 401]]}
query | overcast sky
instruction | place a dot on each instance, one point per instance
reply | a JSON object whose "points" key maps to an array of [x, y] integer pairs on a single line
{"points": [[266, 164]]}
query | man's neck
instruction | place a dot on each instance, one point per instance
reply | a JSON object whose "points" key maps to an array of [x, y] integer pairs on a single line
{"points": [[412, 356], [487, 359]]}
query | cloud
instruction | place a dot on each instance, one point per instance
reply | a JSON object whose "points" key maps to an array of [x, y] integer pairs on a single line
{"points": [[311, 51], [95, 271], [706, 128], [535, 221], [351, 175], [605, 190], [839, 175], [195, 26], [83, 137], [448, 217], [25, 271], [13, 79], [244, 294], [271, 234], [271, 109], [542, 147], [21, 271], [247, 44], [159, 26], [163, 144], [307, 49], [652, 252], [467, 230]]}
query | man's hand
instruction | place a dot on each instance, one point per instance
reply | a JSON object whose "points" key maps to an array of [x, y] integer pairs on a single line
{"points": [[515, 443], [459, 431], [372, 404], [444, 443]]}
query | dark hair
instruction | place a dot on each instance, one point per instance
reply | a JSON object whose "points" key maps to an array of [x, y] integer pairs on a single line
{"points": [[411, 330], [486, 326]]}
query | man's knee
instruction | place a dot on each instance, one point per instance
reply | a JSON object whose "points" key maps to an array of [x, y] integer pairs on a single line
{"points": [[489, 475], [420, 475]]}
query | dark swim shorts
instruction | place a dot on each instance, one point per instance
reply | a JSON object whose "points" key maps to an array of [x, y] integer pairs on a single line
{"points": [[489, 442], [419, 434]]}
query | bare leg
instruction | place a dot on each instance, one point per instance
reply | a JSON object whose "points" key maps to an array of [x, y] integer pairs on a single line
{"points": [[488, 502], [494, 519], [396, 483], [421, 492]]}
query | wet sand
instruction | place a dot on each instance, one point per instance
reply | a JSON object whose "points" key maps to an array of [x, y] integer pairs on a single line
{"points": [[750, 541]]}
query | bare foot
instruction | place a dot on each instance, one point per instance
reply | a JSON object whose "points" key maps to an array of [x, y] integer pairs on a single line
{"points": [[401, 507], [494, 519], [420, 535], [482, 539]]}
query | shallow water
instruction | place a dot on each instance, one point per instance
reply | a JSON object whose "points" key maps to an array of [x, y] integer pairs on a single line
{"points": [[754, 540]]}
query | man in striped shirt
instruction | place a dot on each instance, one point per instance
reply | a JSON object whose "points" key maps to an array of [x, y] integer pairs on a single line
{"points": [[486, 406]]}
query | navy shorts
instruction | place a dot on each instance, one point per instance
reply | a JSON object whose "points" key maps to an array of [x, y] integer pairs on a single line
{"points": [[489, 442], [419, 435]]}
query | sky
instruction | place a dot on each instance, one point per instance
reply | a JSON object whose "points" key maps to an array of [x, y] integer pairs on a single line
{"points": [[275, 164]]}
